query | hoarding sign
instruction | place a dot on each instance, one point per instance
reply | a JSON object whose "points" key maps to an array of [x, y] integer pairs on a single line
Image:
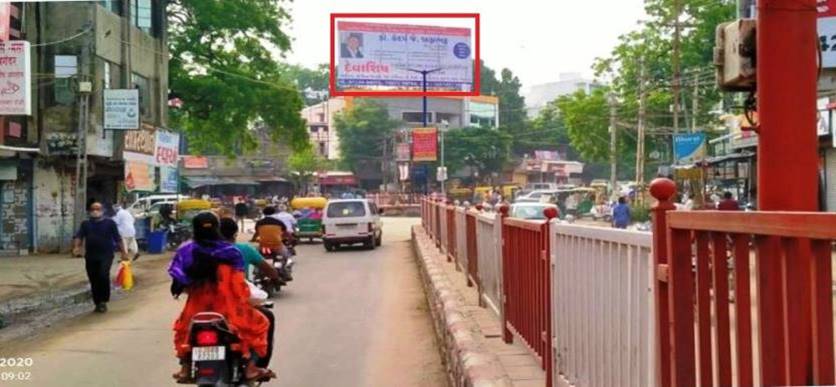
{"points": [[168, 179], [689, 147], [402, 152], [424, 144], [140, 146], [167, 148], [5, 20], [375, 54], [823, 117], [121, 109], [826, 26], [15, 78]]}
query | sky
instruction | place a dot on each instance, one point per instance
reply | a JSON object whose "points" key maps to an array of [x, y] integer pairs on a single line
{"points": [[536, 39]]}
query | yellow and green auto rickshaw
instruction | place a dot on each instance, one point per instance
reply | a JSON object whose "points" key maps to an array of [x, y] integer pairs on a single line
{"points": [[308, 211]]}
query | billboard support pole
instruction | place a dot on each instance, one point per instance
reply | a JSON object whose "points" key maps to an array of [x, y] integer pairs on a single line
{"points": [[424, 111]]}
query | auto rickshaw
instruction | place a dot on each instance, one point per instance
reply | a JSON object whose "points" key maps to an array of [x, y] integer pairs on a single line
{"points": [[309, 216]]}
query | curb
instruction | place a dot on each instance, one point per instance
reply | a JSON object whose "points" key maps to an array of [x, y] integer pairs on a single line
{"points": [[468, 362]]}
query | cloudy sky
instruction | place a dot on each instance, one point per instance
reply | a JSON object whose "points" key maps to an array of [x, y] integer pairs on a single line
{"points": [[537, 39]]}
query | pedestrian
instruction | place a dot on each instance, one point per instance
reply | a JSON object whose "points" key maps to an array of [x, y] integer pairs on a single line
{"points": [[241, 212], [100, 236], [571, 204], [125, 224], [728, 203], [621, 214]]}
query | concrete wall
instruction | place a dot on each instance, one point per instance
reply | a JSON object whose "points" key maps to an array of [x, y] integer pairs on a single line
{"points": [[15, 230], [53, 194]]}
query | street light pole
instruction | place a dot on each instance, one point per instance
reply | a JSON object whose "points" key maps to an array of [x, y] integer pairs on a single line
{"points": [[445, 124], [424, 113]]}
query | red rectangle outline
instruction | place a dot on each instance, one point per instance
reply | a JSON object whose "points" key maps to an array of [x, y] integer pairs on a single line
{"points": [[332, 82]]}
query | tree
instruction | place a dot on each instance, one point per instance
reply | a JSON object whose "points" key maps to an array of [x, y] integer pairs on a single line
{"points": [[485, 149], [302, 165], [312, 83], [224, 69], [362, 131], [512, 115]]}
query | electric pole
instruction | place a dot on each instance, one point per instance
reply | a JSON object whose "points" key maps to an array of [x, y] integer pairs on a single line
{"points": [[677, 9], [695, 103], [613, 143], [641, 129]]}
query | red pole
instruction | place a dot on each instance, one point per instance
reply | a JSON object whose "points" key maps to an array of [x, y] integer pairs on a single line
{"points": [[662, 190], [787, 181]]}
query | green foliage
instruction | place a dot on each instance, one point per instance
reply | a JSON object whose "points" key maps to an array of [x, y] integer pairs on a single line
{"points": [[303, 164], [587, 123], [312, 83], [224, 69], [486, 149], [640, 214], [362, 131]]}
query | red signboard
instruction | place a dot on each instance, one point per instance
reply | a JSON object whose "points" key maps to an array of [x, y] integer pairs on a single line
{"points": [[338, 180], [195, 162], [424, 144], [5, 20], [826, 8]]}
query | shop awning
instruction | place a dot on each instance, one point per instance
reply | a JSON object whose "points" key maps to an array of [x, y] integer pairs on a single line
{"points": [[205, 181], [271, 180]]}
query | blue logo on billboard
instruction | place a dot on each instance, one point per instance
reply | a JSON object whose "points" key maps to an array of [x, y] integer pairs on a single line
{"points": [[688, 147], [461, 50]]}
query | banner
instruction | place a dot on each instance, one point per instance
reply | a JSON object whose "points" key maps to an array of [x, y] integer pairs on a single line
{"points": [[15, 78], [121, 109], [167, 148], [424, 144], [688, 148], [826, 26], [402, 152], [375, 54], [546, 155], [169, 179], [139, 176]]}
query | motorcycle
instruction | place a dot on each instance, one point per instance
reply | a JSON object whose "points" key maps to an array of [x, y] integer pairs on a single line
{"points": [[283, 265], [177, 234], [216, 353]]}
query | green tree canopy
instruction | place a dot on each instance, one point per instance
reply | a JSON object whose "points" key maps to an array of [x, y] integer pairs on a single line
{"points": [[224, 69], [362, 130], [484, 149]]}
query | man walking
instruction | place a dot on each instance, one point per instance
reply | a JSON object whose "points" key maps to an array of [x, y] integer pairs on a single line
{"points": [[125, 224], [241, 212], [100, 236], [621, 214]]}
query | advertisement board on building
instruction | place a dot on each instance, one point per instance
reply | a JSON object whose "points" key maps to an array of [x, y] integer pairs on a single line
{"points": [[424, 144], [169, 179], [166, 148], [195, 162], [16, 74], [5, 20], [689, 147], [140, 145], [826, 26], [139, 176], [823, 117], [121, 109], [377, 54]]}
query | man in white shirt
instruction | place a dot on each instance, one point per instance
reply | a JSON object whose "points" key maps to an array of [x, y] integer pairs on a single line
{"points": [[287, 218], [125, 224]]}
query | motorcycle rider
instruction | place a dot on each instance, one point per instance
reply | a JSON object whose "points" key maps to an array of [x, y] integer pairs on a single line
{"points": [[270, 232], [229, 231], [211, 271]]}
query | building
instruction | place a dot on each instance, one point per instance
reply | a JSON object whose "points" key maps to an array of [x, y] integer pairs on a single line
{"points": [[109, 43], [539, 96], [456, 112]]}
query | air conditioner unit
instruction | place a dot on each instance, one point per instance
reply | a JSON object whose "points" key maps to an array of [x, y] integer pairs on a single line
{"points": [[735, 55]]}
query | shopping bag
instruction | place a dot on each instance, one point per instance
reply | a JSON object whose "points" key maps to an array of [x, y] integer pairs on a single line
{"points": [[125, 277]]}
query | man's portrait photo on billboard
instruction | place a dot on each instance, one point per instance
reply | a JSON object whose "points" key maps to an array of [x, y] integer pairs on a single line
{"points": [[352, 46]]}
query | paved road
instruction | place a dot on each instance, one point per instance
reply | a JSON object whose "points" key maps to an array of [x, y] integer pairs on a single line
{"points": [[351, 318]]}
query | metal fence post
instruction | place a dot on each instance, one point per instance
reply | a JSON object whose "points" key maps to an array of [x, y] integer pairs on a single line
{"points": [[548, 353], [507, 336], [662, 190]]}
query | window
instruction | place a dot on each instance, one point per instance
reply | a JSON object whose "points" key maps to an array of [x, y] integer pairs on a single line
{"points": [[142, 15], [415, 117], [449, 117], [320, 117], [144, 87], [483, 114], [346, 209], [114, 6], [65, 67], [106, 77]]}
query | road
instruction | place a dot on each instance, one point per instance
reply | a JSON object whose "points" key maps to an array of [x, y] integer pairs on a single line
{"points": [[351, 318]]}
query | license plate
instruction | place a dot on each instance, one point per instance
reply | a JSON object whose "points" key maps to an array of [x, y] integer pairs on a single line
{"points": [[208, 353]]}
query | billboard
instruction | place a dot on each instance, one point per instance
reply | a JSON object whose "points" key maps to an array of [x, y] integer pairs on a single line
{"points": [[689, 147], [402, 152], [15, 89], [121, 109], [424, 144], [167, 148], [374, 58], [826, 26]]}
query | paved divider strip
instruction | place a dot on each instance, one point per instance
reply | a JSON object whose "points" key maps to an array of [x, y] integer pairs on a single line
{"points": [[468, 362]]}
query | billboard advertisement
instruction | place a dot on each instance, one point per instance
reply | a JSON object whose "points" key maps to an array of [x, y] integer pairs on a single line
{"points": [[167, 148], [121, 109], [15, 89], [826, 27], [139, 176], [689, 147], [424, 144], [373, 55], [168, 179]]}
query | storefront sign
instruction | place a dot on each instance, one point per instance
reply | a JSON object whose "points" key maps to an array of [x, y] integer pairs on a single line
{"points": [[121, 109], [61, 143], [827, 32], [823, 117], [337, 180], [688, 148], [167, 148], [546, 155], [375, 54], [5, 20], [139, 176], [195, 162], [15, 78], [424, 144]]}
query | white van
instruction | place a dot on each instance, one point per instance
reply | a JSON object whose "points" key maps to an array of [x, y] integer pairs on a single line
{"points": [[350, 221], [143, 204]]}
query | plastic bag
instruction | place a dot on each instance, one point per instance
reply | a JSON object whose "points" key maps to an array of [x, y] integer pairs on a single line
{"points": [[125, 277]]}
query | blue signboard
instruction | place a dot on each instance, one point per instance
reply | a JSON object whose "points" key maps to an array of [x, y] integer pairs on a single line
{"points": [[689, 147]]}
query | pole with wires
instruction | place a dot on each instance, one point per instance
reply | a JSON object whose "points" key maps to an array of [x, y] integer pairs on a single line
{"points": [[613, 143]]}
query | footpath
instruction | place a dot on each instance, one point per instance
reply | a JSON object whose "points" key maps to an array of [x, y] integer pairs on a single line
{"points": [[37, 290], [470, 336]]}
